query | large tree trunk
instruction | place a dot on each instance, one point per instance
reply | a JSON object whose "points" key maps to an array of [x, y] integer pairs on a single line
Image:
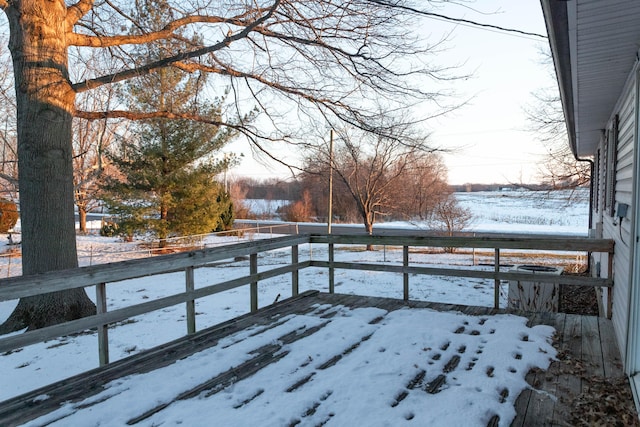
{"points": [[45, 104]]}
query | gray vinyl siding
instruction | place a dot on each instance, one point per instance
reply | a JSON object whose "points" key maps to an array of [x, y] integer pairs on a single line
{"points": [[620, 230]]}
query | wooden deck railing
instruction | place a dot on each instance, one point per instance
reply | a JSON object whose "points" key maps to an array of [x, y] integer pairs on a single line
{"points": [[101, 276], [546, 243]]}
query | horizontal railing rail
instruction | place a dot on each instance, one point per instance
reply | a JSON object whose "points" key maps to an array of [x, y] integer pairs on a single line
{"points": [[100, 276], [475, 274], [24, 286], [537, 242]]}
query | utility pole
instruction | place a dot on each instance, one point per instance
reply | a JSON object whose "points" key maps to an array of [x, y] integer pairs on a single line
{"points": [[226, 168], [330, 215]]}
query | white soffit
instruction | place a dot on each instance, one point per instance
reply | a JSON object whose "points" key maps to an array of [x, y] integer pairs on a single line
{"points": [[604, 37]]}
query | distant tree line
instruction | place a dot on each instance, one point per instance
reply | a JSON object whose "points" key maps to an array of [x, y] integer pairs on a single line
{"points": [[312, 191], [474, 187], [268, 189], [281, 189]]}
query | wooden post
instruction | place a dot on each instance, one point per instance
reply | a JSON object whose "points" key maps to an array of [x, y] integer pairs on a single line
{"points": [[253, 269], [405, 263], [103, 330], [191, 304], [330, 207], [496, 291], [331, 275], [294, 274], [473, 251], [609, 289]]}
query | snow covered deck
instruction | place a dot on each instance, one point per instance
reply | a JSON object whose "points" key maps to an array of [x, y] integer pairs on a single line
{"points": [[333, 359]]}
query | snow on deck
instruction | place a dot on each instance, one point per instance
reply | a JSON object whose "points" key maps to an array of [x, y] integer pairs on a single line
{"points": [[329, 360]]}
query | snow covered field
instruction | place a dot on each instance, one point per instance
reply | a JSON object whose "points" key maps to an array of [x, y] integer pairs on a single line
{"points": [[498, 211], [40, 364], [527, 211]]}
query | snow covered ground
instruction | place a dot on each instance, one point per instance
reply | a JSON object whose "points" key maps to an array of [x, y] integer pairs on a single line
{"points": [[40, 364], [527, 211]]}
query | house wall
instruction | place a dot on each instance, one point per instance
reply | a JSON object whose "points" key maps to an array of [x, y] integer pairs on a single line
{"points": [[614, 185]]}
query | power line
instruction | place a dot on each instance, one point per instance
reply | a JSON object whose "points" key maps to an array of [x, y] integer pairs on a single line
{"points": [[459, 20]]}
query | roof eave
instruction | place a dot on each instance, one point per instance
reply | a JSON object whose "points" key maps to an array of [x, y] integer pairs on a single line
{"points": [[557, 23]]}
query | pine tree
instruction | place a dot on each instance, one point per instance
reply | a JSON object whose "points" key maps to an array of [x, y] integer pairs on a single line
{"points": [[167, 184]]}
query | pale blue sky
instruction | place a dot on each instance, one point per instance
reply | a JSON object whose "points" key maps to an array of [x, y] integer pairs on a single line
{"points": [[490, 131], [492, 128]]}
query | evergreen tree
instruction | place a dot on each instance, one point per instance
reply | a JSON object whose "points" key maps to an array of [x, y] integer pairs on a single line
{"points": [[168, 181], [167, 184]]}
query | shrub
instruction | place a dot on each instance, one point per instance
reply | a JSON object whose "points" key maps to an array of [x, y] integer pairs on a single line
{"points": [[109, 229], [8, 215], [227, 214], [295, 212], [299, 211]]}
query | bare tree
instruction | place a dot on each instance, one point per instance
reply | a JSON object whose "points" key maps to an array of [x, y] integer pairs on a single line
{"points": [[8, 137], [418, 192], [370, 167], [238, 194], [286, 57], [559, 168], [91, 140], [451, 217]]}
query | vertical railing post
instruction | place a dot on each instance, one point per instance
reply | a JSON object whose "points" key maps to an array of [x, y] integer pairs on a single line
{"points": [[103, 330], [253, 269], [405, 275], [609, 289], [331, 270], [496, 291], [294, 274], [191, 304], [473, 251]]}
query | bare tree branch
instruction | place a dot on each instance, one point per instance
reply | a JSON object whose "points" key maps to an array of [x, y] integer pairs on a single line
{"points": [[139, 115], [75, 12], [124, 75], [76, 39], [10, 179]]}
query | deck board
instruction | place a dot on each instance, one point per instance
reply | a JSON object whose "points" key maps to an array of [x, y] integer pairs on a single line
{"points": [[535, 406], [591, 349], [585, 348], [569, 373], [610, 351]]}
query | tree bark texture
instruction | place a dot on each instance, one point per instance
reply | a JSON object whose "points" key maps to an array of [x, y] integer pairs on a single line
{"points": [[45, 105]]}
